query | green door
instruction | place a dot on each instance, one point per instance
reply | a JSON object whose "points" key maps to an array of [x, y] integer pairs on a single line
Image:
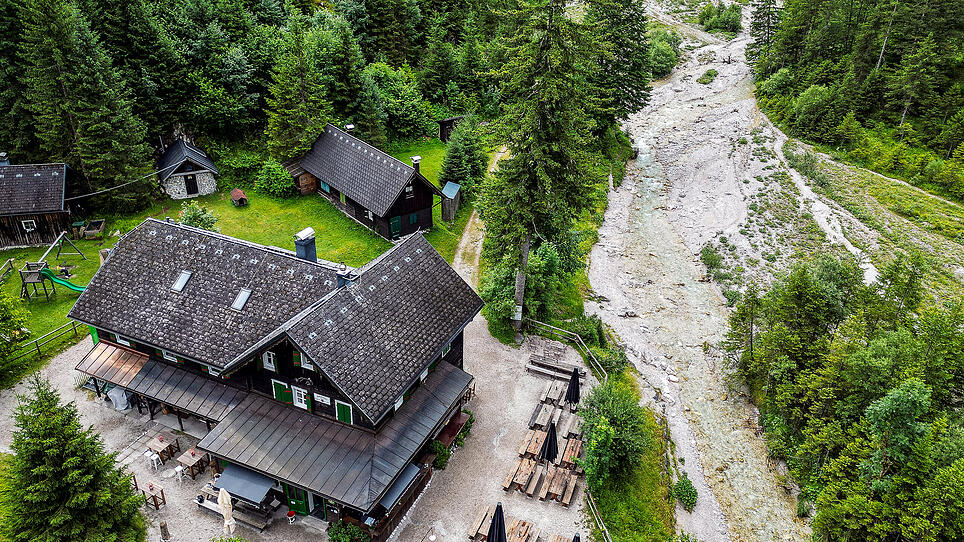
{"points": [[343, 412], [297, 498], [282, 392], [396, 223]]}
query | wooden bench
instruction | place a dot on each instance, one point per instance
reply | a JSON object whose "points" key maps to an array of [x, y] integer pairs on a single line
{"points": [[480, 526], [554, 392], [561, 368], [515, 530], [535, 444], [521, 531], [557, 484], [240, 516], [570, 490], [543, 416], [534, 481], [559, 538], [571, 453]]}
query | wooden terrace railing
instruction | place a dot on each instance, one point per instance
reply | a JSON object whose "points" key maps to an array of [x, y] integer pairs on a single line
{"points": [[567, 336], [33, 347]]}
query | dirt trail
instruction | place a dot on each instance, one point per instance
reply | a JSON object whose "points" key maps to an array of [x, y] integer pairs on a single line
{"points": [[691, 182]]}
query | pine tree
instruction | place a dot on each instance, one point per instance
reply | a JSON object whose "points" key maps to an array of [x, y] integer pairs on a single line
{"points": [[345, 65], [915, 79], [439, 67], [370, 119], [465, 160], [763, 26], [80, 103], [297, 106], [548, 109], [471, 64], [15, 119], [623, 59], [63, 487]]}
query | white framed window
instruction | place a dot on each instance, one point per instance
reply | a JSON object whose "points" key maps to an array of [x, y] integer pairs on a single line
{"points": [[322, 399], [241, 300], [213, 371], [409, 191], [424, 375], [122, 340], [267, 359], [28, 225], [368, 215], [299, 397], [399, 403], [168, 355], [307, 365]]}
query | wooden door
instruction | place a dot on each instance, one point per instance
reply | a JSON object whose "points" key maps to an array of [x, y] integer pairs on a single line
{"points": [[396, 225], [297, 498], [190, 185]]}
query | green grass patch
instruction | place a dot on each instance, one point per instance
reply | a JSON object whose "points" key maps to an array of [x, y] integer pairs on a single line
{"points": [[431, 150], [639, 507], [5, 465], [707, 77]]}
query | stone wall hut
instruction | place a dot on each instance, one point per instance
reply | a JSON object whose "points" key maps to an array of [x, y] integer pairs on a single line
{"points": [[32, 208], [185, 171]]}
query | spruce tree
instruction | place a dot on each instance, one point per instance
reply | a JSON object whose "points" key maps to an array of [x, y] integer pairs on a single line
{"points": [[548, 111], [915, 79], [15, 119], [465, 160], [345, 65], [80, 103], [471, 64], [440, 66], [763, 27], [297, 106], [370, 118], [63, 486], [623, 59]]}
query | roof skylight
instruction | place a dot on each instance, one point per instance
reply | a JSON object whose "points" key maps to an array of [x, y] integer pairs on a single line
{"points": [[242, 298], [181, 281]]}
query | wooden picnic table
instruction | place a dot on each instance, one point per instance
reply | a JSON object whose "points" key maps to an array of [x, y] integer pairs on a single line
{"points": [[164, 445], [554, 392], [521, 531], [559, 538], [542, 416], [151, 493], [515, 530], [571, 453], [555, 484], [532, 443], [522, 475], [193, 461]]}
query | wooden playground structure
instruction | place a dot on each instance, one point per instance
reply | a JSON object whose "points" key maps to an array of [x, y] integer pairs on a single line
{"points": [[39, 273]]}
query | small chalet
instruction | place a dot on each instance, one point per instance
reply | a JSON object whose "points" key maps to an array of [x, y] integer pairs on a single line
{"points": [[185, 171], [32, 208], [380, 191], [324, 384]]}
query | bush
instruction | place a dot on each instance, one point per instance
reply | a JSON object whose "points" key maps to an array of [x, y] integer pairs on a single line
{"points": [[543, 277], [617, 433], [685, 492], [813, 113], [589, 328], [464, 433], [707, 77], [612, 359], [274, 180], [196, 215], [779, 83], [442, 454], [346, 532], [711, 257], [722, 18], [663, 51], [803, 507]]}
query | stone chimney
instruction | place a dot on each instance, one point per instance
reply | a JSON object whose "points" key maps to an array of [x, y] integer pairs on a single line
{"points": [[415, 161], [305, 245]]}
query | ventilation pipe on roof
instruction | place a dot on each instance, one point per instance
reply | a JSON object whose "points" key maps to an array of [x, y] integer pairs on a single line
{"points": [[350, 128], [4, 159], [305, 245], [345, 275], [415, 162]]}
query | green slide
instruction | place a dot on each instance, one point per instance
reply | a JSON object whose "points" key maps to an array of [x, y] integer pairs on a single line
{"points": [[61, 281]]}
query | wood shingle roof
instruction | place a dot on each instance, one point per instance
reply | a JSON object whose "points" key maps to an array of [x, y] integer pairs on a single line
{"points": [[32, 188], [179, 152]]}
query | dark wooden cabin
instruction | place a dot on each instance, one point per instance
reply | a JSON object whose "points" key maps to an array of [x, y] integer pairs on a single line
{"points": [[32, 208], [252, 338], [447, 126], [392, 198]]}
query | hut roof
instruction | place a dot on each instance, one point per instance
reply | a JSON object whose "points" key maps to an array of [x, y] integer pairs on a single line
{"points": [[32, 188]]}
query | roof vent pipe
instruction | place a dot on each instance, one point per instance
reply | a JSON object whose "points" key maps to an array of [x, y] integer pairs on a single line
{"points": [[305, 245], [345, 275], [4, 159], [350, 128], [415, 161]]}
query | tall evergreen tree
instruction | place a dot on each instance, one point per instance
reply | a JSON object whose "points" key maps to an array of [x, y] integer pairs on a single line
{"points": [[440, 66], [465, 160], [15, 118], [548, 110], [297, 106], [763, 26], [63, 487], [624, 71], [370, 119], [915, 79], [471, 64], [80, 103]]}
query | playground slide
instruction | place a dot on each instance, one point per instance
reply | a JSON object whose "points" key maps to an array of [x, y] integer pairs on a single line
{"points": [[61, 281]]}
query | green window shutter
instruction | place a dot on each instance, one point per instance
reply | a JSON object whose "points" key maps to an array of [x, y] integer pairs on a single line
{"points": [[288, 396], [343, 412], [309, 401], [296, 358], [93, 334]]}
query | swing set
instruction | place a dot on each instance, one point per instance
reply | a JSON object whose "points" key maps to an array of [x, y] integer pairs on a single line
{"points": [[37, 273]]}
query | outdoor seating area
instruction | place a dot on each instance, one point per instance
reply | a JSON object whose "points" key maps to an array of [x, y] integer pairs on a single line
{"points": [[541, 469], [490, 520], [551, 363]]}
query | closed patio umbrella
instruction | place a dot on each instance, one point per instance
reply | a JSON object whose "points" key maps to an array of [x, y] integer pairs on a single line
{"points": [[572, 392], [550, 446], [497, 527], [575, 538], [224, 503]]}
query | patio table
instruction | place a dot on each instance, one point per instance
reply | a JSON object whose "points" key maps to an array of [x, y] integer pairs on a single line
{"points": [[152, 492], [193, 461], [164, 445]]}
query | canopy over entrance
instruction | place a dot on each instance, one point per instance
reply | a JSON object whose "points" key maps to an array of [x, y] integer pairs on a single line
{"points": [[244, 484]]}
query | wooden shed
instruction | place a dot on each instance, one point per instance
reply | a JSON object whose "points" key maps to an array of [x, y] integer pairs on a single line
{"points": [[32, 207], [447, 126]]}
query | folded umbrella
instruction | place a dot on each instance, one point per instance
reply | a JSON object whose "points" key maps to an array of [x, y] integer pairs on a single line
{"points": [[497, 527], [550, 446], [224, 503], [572, 392]]}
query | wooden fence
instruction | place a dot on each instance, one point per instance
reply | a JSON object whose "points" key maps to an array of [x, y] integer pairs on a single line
{"points": [[567, 336], [6, 269], [34, 347]]}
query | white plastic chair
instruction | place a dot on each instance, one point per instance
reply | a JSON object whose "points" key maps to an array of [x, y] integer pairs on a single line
{"points": [[179, 471], [155, 461]]}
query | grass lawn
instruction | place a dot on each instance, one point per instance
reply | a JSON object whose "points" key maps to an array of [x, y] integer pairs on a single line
{"points": [[431, 150], [5, 460]]}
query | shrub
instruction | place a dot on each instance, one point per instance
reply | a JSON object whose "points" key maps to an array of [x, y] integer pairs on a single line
{"points": [[589, 328], [686, 537], [803, 507], [685, 492], [813, 116], [732, 297], [542, 283], [274, 180], [663, 54], [346, 532], [460, 438], [196, 215], [779, 83], [442, 454], [612, 359], [720, 17], [617, 434], [711, 257], [707, 77]]}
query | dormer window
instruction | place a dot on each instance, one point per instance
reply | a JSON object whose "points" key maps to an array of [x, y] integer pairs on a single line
{"points": [[181, 281], [241, 300]]}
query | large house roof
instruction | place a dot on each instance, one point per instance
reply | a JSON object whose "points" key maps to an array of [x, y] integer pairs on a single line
{"points": [[32, 188], [179, 152], [360, 171], [132, 293], [341, 462], [374, 336]]}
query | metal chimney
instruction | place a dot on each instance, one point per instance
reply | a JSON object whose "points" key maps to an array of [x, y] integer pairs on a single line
{"points": [[350, 128], [415, 161], [305, 245], [4, 159]]}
